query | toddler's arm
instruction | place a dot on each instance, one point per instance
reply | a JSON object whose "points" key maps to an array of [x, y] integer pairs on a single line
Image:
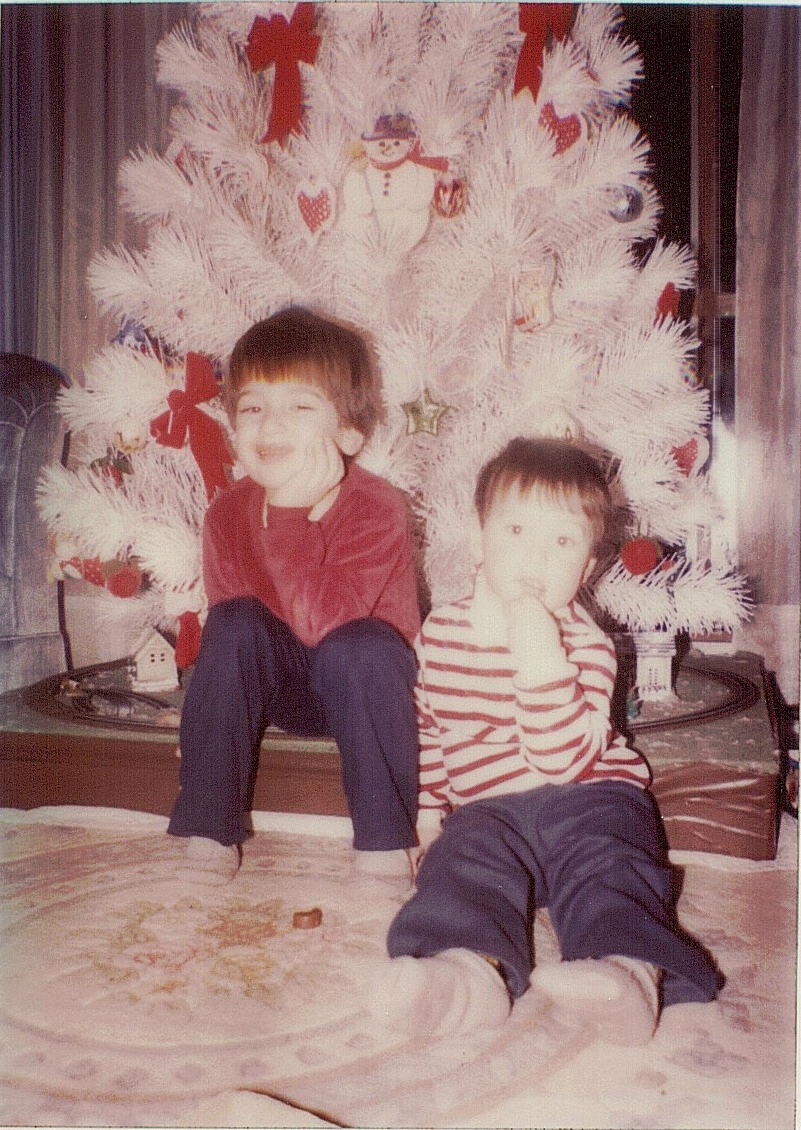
{"points": [[535, 642], [564, 722]]}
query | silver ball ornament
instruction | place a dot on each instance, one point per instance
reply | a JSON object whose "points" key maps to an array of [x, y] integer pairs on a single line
{"points": [[625, 203]]}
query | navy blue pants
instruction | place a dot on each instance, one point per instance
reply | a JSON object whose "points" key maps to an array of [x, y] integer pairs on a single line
{"points": [[354, 686], [595, 855]]}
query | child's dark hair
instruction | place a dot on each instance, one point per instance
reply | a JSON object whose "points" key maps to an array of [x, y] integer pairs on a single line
{"points": [[559, 468], [276, 348]]}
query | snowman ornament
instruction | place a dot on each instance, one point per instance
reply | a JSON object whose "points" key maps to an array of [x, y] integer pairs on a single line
{"points": [[390, 188]]}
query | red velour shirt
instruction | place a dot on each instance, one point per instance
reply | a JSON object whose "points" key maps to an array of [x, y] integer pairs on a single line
{"points": [[358, 560]]}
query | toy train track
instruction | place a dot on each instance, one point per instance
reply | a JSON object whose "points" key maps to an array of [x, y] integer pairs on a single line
{"points": [[97, 696], [743, 695], [78, 698]]}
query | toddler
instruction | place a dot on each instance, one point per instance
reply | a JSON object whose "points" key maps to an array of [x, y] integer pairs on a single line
{"points": [[527, 797], [309, 568]]}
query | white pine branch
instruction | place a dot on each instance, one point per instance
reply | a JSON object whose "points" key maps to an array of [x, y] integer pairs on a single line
{"points": [[119, 280], [457, 74], [709, 599], [124, 390], [690, 597], [638, 603], [152, 187], [566, 80], [206, 313], [614, 59], [196, 62], [87, 508]]}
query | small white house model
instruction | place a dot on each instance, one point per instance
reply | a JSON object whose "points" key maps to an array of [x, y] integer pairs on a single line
{"points": [[654, 676], [153, 665]]}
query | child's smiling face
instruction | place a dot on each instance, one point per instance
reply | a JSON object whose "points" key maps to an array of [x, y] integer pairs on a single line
{"points": [[537, 544], [285, 429]]}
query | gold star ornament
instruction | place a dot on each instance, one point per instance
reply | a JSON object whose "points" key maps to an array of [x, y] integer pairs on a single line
{"points": [[424, 414]]}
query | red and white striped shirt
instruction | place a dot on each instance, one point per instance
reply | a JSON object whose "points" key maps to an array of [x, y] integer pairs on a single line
{"points": [[482, 734]]}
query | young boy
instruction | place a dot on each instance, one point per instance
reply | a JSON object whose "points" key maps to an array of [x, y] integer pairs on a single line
{"points": [[309, 570], [544, 804]]}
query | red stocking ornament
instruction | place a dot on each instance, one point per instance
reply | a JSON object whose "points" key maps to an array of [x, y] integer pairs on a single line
{"points": [[187, 646]]}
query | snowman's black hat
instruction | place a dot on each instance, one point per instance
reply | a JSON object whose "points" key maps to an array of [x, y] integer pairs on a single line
{"points": [[391, 125]]}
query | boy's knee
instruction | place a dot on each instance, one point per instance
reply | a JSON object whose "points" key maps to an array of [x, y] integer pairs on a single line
{"points": [[468, 836], [241, 622], [365, 646], [231, 618]]}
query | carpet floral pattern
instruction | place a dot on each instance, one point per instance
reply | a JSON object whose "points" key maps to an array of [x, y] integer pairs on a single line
{"points": [[130, 998]]}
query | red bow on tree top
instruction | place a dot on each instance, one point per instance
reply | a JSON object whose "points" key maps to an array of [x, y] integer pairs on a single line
{"points": [[286, 45], [206, 438], [536, 20]]}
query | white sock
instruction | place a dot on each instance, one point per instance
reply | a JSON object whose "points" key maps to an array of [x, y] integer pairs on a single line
{"points": [[395, 863], [209, 862], [619, 994], [453, 992]]}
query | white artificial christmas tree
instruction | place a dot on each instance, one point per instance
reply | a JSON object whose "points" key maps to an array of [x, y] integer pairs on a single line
{"points": [[463, 183]]}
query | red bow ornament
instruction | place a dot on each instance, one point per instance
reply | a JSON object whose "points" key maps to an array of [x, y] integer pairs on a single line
{"points": [[184, 419], [536, 20], [287, 45]]}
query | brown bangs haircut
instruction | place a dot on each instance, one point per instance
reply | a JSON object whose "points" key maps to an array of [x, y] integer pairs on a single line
{"points": [[564, 472], [281, 347]]}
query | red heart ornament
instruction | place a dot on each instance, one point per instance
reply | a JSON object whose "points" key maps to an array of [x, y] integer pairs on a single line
{"points": [[566, 131], [315, 206], [692, 455], [667, 305]]}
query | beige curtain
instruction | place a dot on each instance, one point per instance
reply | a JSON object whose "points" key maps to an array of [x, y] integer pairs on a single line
{"points": [[111, 105], [768, 364]]}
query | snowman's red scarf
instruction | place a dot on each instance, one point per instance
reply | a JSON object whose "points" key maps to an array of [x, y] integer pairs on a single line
{"points": [[438, 163]]}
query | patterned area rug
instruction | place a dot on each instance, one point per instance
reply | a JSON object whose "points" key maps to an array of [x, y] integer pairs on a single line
{"points": [[131, 999]]}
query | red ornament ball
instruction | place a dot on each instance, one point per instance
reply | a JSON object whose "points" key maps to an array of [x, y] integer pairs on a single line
{"points": [[640, 555], [123, 579]]}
